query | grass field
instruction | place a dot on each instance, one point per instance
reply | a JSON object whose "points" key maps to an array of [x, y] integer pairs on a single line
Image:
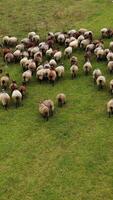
{"points": [[70, 157]]}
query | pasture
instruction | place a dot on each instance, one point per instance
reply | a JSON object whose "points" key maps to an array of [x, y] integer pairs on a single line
{"points": [[70, 157]]}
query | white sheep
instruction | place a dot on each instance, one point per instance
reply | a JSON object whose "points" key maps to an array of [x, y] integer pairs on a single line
{"points": [[110, 66], [110, 107], [61, 38], [87, 67], [27, 75], [84, 43], [61, 98], [49, 52], [74, 71], [17, 55], [110, 56], [96, 74], [111, 86], [31, 34], [20, 47], [74, 44], [68, 52], [4, 99], [60, 71], [9, 57], [16, 97], [4, 81], [44, 111], [53, 63], [58, 55], [111, 46], [101, 82]]}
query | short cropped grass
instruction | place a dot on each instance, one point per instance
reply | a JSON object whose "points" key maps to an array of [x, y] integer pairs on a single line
{"points": [[70, 157]]}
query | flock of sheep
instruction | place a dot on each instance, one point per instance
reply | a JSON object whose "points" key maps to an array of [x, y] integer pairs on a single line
{"points": [[43, 59]]}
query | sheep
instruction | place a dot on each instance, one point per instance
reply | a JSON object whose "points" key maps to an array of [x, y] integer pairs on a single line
{"points": [[43, 46], [61, 38], [4, 81], [87, 67], [40, 67], [110, 107], [58, 55], [53, 63], [110, 56], [60, 71], [41, 74], [49, 103], [106, 33], [100, 54], [52, 76], [111, 86], [13, 86], [49, 52], [35, 39], [84, 43], [61, 98], [32, 66], [110, 66], [31, 34], [22, 89], [17, 55], [68, 52], [12, 41], [5, 40], [72, 32], [74, 60], [44, 111], [111, 46], [24, 54], [87, 55], [82, 31], [74, 70], [80, 38], [101, 82], [33, 50], [9, 57], [74, 44], [4, 99], [20, 47], [67, 41], [27, 75], [16, 97], [88, 35], [96, 74], [90, 47], [23, 63]]}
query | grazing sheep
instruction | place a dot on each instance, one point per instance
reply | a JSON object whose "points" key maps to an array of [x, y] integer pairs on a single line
{"points": [[90, 47], [31, 34], [4, 99], [52, 76], [74, 70], [40, 74], [5, 40], [61, 98], [68, 52], [80, 38], [61, 38], [111, 86], [84, 43], [100, 54], [32, 66], [27, 75], [87, 67], [110, 107], [12, 41], [49, 53], [110, 66], [16, 97], [88, 35], [82, 31], [9, 57], [4, 82], [24, 54], [40, 67], [87, 55], [58, 55], [20, 47], [23, 63], [60, 71], [106, 33], [36, 39], [72, 32], [96, 74], [101, 82]]}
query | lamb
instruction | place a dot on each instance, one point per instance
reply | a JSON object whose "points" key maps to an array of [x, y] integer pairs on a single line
{"points": [[101, 82], [27, 75], [16, 97], [9, 57], [61, 98], [110, 107], [96, 74], [60, 71], [4, 99], [111, 86], [74, 70], [110, 66], [87, 67], [68, 52], [58, 55], [5, 81]]}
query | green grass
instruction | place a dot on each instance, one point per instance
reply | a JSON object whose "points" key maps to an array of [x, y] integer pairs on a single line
{"points": [[70, 157]]}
